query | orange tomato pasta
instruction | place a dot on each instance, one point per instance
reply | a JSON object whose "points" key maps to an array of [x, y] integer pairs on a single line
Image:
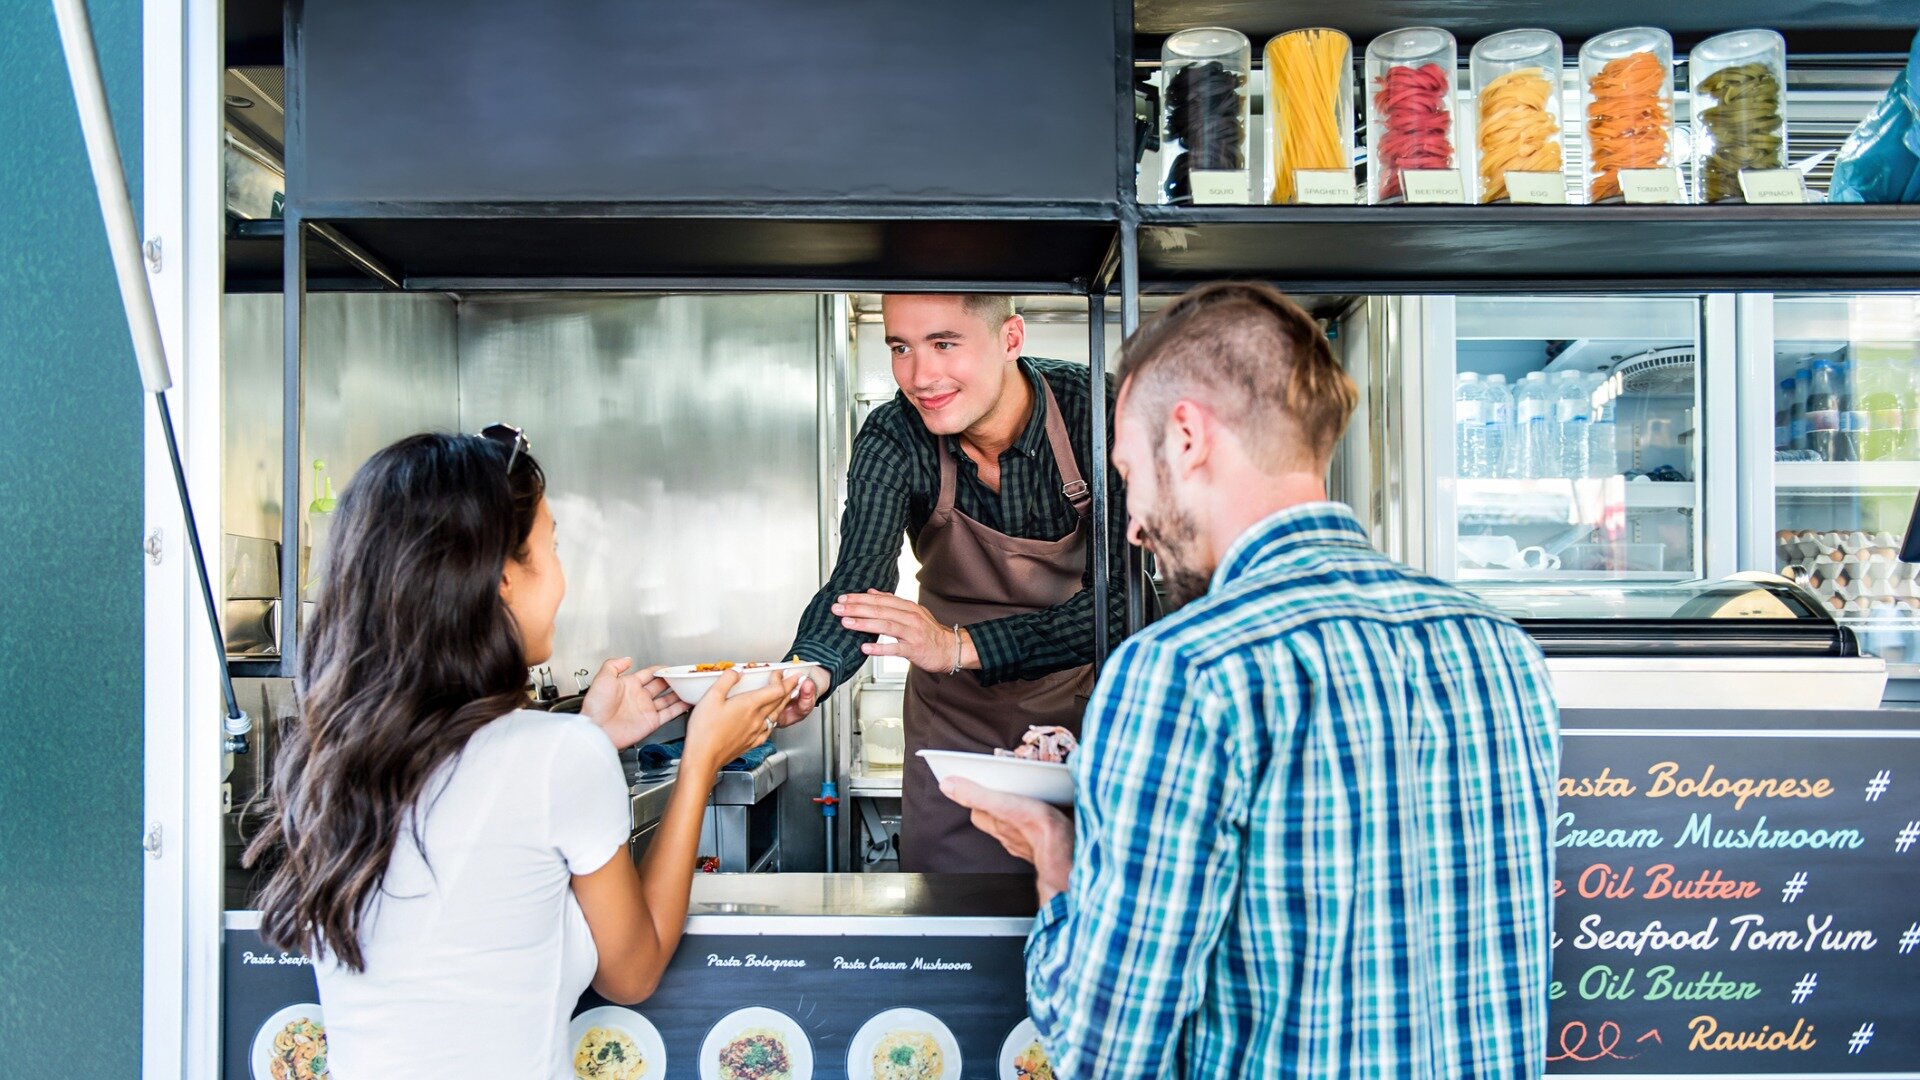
{"points": [[1516, 130], [1307, 73], [1629, 121]]}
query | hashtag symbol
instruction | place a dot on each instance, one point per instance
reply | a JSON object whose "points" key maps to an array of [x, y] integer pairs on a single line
{"points": [[1907, 837], [1878, 784], [1862, 1035], [1803, 989], [1796, 885], [1910, 939]]}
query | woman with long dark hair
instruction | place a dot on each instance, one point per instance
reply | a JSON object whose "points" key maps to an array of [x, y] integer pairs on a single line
{"points": [[454, 864]]}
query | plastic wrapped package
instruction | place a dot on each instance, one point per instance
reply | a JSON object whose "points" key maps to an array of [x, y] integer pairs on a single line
{"points": [[1880, 162], [1309, 107], [1410, 78], [1516, 101], [1204, 119], [1626, 100], [1739, 86]]}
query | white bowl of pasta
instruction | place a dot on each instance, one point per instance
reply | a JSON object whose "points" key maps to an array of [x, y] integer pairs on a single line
{"points": [[692, 681], [291, 1045]]}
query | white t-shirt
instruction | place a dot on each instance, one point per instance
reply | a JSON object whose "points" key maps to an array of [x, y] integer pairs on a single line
{"points": [[476, 956]]}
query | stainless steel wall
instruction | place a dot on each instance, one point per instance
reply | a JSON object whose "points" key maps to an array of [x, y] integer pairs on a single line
{"points": [[379, 366], [680, 439]]}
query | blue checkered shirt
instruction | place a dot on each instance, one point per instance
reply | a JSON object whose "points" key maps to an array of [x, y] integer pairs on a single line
{"points": [[1313, 831]]}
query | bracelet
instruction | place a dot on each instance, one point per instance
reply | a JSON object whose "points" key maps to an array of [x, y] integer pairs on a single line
{"points": [[956, 650]]}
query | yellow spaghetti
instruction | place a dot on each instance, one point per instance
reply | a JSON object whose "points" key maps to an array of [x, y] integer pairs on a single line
{"points": [[1517, 132], [1307, 104]]}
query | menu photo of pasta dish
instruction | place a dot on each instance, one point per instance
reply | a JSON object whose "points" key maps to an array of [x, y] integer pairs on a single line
{"points": [[291, 1045], [612, 1043], [904, 1044], [1023, 1056], [756, 1044]]}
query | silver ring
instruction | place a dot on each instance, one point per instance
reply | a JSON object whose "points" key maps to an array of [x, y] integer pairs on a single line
{"points": [[771, 724]]}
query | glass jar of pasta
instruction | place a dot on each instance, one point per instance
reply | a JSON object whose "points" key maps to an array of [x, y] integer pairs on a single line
{"points": [[1739, 91], [1410, 84], [1626, 108], [1516, 117], [1309, 115], [1204, 119]]}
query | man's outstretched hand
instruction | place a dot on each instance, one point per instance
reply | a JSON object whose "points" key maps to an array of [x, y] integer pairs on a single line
{"points": [[1028, 828]]}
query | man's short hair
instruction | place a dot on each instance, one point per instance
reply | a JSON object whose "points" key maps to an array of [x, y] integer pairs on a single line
{"points": [[994, 310], [1254, 357]]}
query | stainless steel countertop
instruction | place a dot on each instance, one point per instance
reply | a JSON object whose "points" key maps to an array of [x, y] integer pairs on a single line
{"points": [[647, 801], [744, 787], [945, 896]]}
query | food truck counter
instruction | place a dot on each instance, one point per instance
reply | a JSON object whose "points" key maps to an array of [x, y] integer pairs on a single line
{"points": [[1734, 885], [1735, 894]]}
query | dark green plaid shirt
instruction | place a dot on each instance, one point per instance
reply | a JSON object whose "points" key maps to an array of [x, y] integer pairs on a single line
{"points": [[892, 486]]}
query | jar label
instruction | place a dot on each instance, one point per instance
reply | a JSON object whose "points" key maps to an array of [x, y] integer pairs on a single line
{"points": [[1324, 187], [1773, 185], [1221, 187], [1433, 186], [1537, 188], [1650, 185]]}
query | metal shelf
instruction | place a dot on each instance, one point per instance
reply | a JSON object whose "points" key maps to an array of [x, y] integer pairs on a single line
{"points": [[255, 261], [1810, 26], [785, 247], [1562, 502], [1570, 577], [865, 785], [1478, 249], [1842, 478]]}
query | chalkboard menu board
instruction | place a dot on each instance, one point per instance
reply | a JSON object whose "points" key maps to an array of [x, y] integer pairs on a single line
{"points": [[825, 1001], [1739, 899], [1736, 903]]}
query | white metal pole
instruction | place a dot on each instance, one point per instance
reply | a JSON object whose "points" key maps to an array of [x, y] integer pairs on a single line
{"points": [[110, 180], [136, 295]]}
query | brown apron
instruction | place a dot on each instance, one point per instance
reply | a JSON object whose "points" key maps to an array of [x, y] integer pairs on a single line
{"points": [[968, 574]]}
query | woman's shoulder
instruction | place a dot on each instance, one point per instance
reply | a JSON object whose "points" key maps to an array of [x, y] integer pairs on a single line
{"points": [[525, 732]]}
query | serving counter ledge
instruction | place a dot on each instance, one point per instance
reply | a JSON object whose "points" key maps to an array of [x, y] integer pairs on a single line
{"points": [[966, 905]]}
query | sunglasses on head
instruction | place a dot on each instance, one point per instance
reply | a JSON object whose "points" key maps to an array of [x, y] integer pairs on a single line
{"points": [[510, 437]]}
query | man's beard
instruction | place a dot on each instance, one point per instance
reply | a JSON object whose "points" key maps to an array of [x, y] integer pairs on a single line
{"points": [[1173, 535]]}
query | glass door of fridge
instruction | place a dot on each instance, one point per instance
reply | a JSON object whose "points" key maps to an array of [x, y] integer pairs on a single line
{"points": [[1565, 438], [1844, 376]]}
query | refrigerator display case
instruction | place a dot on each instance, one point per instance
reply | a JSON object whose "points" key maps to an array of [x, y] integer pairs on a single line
{"points": [[1831, 436], [1569, 440], [1750, 641]]}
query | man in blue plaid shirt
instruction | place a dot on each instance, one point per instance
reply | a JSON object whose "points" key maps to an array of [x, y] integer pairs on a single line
{"points": [[1314, 805]]}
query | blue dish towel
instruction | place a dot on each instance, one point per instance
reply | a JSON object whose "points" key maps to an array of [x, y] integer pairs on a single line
{"points": [[660, 755]]}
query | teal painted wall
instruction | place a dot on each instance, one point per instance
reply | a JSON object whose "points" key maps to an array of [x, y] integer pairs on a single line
{"points": [[70, 571]]}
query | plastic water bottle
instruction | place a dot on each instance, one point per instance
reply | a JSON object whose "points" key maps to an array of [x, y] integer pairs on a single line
{"points": [[1823, 409], [1469, 426], [1532, 428], [1603, 439], [1783, 416], [1909, 445], [1880, 400], [1572, 416], [1499, 424], [1802, 382]]}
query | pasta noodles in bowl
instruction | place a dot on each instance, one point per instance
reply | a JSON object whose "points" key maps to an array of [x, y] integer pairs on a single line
{"points": [[756, 1043], [756, 1054], [292, 1045], [605, 1053], [907, 1055], [1032, 1064]]}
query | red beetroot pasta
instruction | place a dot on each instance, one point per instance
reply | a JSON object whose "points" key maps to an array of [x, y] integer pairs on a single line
{"points": [[1416, 122]]}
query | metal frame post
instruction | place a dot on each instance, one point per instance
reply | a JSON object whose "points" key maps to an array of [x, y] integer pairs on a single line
{"points": [[1097, 472]]}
